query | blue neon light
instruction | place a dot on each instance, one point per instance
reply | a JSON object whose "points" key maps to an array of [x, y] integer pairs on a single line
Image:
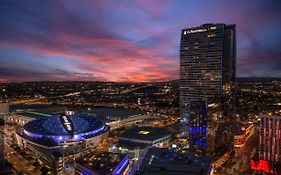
{"points": [[197, 129], [201, 143], [122, 166], [67, 137]]}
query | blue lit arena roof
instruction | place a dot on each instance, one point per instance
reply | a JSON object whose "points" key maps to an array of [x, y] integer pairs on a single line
{"points": [[62, 129], [53, 125]]}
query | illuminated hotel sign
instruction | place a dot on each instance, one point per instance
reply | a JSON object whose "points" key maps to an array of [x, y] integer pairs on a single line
{"points": [[194, 31], [67, 124], [198, 30]]}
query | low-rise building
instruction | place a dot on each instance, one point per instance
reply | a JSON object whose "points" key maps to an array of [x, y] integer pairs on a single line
{"points": [[158, 137], [102, 163], [160, 161]]}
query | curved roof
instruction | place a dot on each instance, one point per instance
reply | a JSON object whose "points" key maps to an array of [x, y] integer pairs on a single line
{"points": [[63, 125]]}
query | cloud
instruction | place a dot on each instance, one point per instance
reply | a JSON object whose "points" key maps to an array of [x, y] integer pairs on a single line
{"points": [[128, 40], [49, 74]]}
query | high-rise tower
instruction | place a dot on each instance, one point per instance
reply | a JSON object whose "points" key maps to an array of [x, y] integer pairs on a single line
{"points": [[207, 71]]}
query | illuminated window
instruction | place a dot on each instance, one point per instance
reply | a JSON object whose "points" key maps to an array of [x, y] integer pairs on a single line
{"points": [[211, 35]]}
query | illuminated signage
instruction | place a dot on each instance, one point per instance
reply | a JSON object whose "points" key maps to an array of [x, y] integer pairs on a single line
{"points": [[194, 31], [67, 124], [144, 132], [199, 30], [261, 165]]}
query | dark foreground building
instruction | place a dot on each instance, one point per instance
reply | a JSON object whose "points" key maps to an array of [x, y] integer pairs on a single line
{"points": [[207, 73], [5, 167], [160, 161], [101, 163]]}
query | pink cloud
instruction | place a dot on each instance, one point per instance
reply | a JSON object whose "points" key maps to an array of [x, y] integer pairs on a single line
{"points": [[156, 8], [107, 59]]}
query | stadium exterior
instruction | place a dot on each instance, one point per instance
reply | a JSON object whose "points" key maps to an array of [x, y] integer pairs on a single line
{"points": [[58, 138]]}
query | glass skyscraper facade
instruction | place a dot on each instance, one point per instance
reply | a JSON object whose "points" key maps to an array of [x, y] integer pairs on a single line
{"points": [[198, 127], [207, 75]]}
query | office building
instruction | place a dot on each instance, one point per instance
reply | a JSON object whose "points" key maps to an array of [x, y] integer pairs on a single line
{"points": [[207, 73]]}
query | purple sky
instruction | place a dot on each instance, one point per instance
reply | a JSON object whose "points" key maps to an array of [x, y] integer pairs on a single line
{"points": [[127, 40]]}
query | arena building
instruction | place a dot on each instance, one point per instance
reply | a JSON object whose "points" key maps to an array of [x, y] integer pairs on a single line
{"points": [[113, 117], [56, 139]]}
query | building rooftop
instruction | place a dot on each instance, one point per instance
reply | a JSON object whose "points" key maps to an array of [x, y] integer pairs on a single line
{"points": [[33, 114], [50, 131], [55, 126], [103, 163], [145, 133], [176, 128], [42, 108], [164, 161], [129, 145], [114, 113]]}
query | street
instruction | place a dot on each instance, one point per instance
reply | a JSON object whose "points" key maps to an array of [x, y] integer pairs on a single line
{"points": [[19, 163]]}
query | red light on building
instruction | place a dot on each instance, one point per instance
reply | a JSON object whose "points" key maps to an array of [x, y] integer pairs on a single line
{"points": [[260, 165]]}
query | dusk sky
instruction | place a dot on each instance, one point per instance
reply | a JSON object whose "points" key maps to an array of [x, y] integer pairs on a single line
{"points": [[127, 40]]}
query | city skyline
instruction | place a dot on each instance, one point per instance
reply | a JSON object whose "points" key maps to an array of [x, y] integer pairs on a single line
{"points": [[107, 41]]}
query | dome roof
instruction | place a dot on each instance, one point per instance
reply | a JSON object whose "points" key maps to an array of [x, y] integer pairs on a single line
{"points": [[63, 125]]}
